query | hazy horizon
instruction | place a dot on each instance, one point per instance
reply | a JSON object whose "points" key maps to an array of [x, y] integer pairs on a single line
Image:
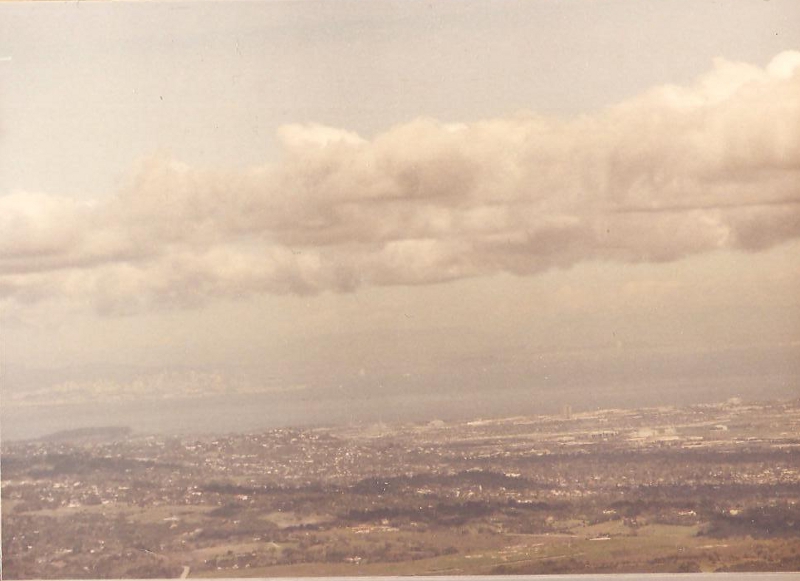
{"points": [[220, 214]]}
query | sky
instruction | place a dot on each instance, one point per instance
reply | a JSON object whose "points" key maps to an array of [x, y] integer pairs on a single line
{"points": [[219, 216]]}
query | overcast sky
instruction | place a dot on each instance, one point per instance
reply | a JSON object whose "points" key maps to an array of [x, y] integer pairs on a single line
{"points": [[476, 202]]}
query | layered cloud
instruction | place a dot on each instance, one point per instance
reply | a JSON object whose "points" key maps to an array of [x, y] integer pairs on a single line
{"points": [[673, 172]]}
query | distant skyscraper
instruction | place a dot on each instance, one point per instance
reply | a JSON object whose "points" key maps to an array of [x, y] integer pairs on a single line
{"points": [[567, 411]]}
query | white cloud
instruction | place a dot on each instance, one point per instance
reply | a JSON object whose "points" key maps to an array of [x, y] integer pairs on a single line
{"points": [[673, 172]]}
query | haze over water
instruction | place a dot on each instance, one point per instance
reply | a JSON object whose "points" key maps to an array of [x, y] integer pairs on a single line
{"points": [[306, 213]]}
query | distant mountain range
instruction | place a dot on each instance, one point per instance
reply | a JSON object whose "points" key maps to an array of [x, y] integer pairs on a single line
{"points": [[88, 435]]}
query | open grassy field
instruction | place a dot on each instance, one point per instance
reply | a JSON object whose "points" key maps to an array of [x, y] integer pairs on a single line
{"points": [[604, 547]]}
